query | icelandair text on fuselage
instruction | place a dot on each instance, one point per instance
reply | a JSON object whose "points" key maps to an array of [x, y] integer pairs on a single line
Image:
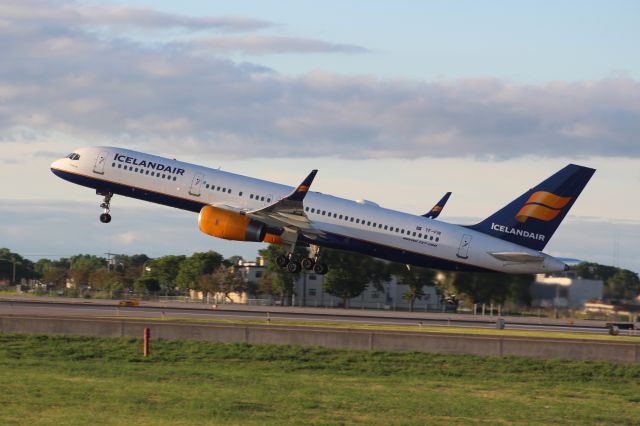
{"points": [[518, 232], [149, 164]]}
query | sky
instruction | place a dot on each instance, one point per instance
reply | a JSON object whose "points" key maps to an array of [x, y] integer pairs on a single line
{"points": [[396, 102]]}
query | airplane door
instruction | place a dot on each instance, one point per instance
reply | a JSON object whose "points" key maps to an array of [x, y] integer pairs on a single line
{"points": [[463, 250], [100, 162], [196, 184]]}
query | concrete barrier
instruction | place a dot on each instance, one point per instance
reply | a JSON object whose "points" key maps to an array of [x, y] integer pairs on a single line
{"points": [[446, 343]]}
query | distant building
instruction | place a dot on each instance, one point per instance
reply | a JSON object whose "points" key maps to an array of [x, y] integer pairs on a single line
{"points": [[309, 291], [564, 290]]}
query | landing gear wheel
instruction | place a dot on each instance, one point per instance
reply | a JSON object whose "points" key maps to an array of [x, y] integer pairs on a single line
{"points": [[294, 267], [320, 268], [308, 263], [282, 261], [105, 217]]}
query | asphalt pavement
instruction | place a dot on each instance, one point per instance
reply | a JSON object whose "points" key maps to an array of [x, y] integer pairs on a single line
{"points": [[91, 308]]}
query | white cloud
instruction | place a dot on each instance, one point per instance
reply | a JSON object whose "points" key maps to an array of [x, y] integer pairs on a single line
{"points": [[260, 44], [77, 13], [126, 238], [60, 77]]}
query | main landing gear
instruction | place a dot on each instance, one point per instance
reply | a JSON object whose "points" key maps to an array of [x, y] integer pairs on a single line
{"points": [[294, 265], [105, 217]]}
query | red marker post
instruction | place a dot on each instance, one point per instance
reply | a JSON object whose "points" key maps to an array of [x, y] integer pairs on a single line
{"points": [[147, 336]]}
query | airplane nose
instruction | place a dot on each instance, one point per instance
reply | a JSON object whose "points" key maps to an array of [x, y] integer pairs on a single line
{"points": [[57, 165]]}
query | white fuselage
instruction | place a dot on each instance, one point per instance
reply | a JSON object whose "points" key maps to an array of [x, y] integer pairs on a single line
{"points": [[358, 226]]}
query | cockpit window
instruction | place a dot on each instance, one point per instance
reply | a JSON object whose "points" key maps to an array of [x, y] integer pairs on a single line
{"points": [[73, 156]]}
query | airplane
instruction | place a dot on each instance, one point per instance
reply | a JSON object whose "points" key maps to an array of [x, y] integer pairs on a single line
{"points": [[241, 208]]}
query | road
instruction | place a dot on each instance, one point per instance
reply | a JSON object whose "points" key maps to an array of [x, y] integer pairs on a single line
{"points": [[65, 307]]}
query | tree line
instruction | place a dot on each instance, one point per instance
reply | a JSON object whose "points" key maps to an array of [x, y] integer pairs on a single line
{"points": [[350, 274]]}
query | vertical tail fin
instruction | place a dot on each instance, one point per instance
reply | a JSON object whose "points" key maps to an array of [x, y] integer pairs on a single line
{"points": [[437, 209], [531, 219]]}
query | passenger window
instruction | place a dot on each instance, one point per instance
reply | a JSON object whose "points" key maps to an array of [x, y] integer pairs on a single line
{"points": [[357, 220], [385, 227], [206, 186], [414, 233], [340, 217], [431, 238], [268, 200], [351, 219], [437, 239], [402, 231], [113, 164], [419, 235], [306, 209], [251, 196], [174, 178], [313, 210], [119, 166], [261, 198], [146, 172], [240, 194], [369, 223], [136, 170]]}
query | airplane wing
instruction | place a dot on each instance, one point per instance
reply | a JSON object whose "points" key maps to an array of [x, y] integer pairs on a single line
{"points": [[435, 211], [518, 257], [288, 212]]}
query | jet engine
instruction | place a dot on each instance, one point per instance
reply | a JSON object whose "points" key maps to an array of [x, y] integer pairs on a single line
{"points": [[230, 225]]}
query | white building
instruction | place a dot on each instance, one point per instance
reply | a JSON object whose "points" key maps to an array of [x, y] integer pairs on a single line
{"points": [[308, 291], [564, 290]]}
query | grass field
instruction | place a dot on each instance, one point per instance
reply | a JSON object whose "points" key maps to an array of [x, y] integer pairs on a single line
{"points": [[67, 380]]}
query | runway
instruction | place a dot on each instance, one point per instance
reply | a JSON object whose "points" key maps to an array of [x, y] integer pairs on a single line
{"points": [[65, 307]]}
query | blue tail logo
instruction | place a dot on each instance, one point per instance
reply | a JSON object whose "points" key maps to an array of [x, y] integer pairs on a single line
{"points": [[531, 219]]}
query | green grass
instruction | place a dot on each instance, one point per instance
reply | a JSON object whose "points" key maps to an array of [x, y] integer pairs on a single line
{"points": [[386, 327], [80, 380]]}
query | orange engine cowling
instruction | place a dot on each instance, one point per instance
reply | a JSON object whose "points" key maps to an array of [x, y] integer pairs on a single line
{"points": [[230, 225]]}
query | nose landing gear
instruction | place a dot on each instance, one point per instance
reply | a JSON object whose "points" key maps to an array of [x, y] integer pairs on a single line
{"points": [[105, 217]]}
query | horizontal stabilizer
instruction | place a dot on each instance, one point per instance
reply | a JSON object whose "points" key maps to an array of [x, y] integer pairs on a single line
{"points": [[518, 257]]}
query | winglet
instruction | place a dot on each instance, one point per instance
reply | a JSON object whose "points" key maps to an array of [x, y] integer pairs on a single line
{"points": [[302, 189], [435, 211]]}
